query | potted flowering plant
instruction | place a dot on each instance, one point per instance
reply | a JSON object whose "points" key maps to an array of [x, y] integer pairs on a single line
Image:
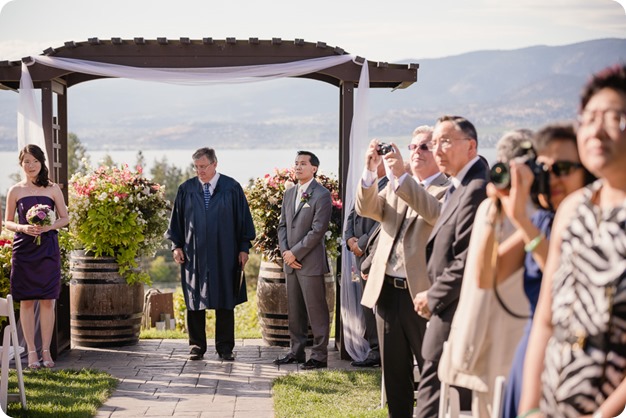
{"points": [[265, 197], [118, 213], [116, 216]]}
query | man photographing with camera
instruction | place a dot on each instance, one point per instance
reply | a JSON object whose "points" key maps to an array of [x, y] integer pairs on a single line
{"points": [[407, 208]]}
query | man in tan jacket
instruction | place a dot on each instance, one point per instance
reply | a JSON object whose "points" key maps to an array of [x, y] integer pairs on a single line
{"points": [[407, 210]]}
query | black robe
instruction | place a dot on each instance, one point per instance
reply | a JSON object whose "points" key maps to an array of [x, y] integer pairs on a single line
{"points": [[212, 240]]}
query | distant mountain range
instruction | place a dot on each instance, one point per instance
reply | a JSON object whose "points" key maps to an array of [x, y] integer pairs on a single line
{"points": [[497, 90]]}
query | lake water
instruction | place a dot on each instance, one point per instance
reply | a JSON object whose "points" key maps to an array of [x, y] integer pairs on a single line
{"points": [[239, 164]]}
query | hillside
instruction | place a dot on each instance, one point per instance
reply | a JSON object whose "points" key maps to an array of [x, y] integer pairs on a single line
{"points": [[497, 90]]}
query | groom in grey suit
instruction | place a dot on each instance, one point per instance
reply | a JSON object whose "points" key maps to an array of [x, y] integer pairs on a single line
{"points": [[304, 219]]}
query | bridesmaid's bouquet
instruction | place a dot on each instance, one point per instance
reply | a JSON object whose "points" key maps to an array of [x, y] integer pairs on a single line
{"points": [[40, 215]]}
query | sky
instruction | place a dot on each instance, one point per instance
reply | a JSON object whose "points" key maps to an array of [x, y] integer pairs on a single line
{"points": [[388, 30]]}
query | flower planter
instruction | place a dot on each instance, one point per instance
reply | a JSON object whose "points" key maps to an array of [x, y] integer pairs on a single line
{"points": [[104, 310], [273, 307]]}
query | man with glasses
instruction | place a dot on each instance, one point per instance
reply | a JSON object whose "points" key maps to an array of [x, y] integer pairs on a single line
{"points": [[211, 231], [455, 145], [407, 209]]}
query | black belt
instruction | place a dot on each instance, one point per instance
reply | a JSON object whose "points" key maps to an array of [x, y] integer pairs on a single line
{"points": [[397, 282]]}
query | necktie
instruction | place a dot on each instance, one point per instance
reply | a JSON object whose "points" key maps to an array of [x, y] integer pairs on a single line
{"points": [[207, 195], [447, 197]]}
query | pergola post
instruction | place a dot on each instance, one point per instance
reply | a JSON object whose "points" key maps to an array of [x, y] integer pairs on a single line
{"points": [[54, 121], [55, 135], [346, 113]]}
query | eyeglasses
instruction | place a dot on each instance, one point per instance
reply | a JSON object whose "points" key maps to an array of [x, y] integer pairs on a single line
{"points": [[422, 147], [612, 119], [563, 168], [444, 143], [201, 167]]}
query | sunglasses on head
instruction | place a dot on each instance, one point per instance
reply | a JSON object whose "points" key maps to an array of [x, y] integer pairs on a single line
{"points": [[422, 147], [563, 168]]}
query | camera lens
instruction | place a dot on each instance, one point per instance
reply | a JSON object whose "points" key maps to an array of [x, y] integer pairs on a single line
{"points": [[384, 149], [500, 175]]}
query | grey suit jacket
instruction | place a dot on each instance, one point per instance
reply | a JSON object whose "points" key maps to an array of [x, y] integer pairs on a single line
{"points": [[446, 252], [302, 230], [390, 208]]}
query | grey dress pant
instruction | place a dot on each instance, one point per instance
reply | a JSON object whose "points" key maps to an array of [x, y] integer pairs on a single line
{"points": [[306, 296]]}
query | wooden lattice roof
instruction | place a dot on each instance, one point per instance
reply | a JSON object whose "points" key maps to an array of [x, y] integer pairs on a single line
{"points": [[207, 52]]}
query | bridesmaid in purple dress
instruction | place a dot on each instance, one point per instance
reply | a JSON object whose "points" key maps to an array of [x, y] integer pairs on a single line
{"points": [[36, 264]]}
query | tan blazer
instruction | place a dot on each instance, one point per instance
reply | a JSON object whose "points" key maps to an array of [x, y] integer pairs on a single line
{"points": [[389, 207]]}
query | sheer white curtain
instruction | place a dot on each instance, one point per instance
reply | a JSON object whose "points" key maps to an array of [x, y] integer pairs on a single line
{"points": [[30, 131], [351, 292]]}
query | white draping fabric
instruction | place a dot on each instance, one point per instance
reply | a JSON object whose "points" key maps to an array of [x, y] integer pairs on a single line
{"points": [[30, 131], [197, 76], [351, 292], [29, 128]]}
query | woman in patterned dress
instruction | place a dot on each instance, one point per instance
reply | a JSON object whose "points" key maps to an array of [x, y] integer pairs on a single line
{"points": [[36, 261], [576, 359]]}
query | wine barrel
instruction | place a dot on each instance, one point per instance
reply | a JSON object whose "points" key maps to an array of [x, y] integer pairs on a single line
{"points": [[273, 306], [104, 310]]}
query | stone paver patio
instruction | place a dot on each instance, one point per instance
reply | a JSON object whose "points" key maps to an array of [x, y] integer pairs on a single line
{"points": [[158, 380]]}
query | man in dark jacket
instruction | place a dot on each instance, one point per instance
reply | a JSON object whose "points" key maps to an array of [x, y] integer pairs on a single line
{"points": [[454, 144], [211, 230]]}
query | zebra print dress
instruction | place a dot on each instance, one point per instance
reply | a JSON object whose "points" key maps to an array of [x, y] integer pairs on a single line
{"points": [[586, 356]]}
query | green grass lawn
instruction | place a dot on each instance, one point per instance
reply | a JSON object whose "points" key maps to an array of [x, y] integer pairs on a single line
{"points": [[328, 394], [62, 393]]}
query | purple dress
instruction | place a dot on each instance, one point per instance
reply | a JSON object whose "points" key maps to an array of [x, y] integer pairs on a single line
{"points": [[35, 269]]}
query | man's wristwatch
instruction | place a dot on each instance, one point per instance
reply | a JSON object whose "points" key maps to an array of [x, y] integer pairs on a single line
{"points": [[598, 414]]}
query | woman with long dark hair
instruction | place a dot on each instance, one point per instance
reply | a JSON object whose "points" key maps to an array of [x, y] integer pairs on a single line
{"points": [[36, 262]]}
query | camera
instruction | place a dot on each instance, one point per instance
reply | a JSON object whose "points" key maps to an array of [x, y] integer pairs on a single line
{"points": [[500, 176], [383, 148]]}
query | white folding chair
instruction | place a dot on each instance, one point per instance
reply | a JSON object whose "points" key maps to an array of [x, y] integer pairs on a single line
{"points": [[10, 350], [497, 406], [449, 403]]}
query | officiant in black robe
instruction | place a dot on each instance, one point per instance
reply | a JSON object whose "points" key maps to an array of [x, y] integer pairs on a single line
{"points": [[211, 230]]}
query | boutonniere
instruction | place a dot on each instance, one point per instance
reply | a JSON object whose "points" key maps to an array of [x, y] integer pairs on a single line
{"points": [[305, 197]]}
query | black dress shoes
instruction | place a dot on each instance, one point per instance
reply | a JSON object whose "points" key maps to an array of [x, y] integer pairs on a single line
{"points": [[314, 364], [368, 362], [195, 354], [227, 356], [288, 359]]}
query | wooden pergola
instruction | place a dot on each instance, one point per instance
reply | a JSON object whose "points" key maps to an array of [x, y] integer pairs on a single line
{"points": [[193, 53]]}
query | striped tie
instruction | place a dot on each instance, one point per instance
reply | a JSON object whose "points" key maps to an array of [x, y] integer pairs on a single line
{"points": [[207, 195]]}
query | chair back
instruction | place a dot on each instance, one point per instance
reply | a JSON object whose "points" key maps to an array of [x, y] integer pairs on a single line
{"points": [[10, 350]]}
